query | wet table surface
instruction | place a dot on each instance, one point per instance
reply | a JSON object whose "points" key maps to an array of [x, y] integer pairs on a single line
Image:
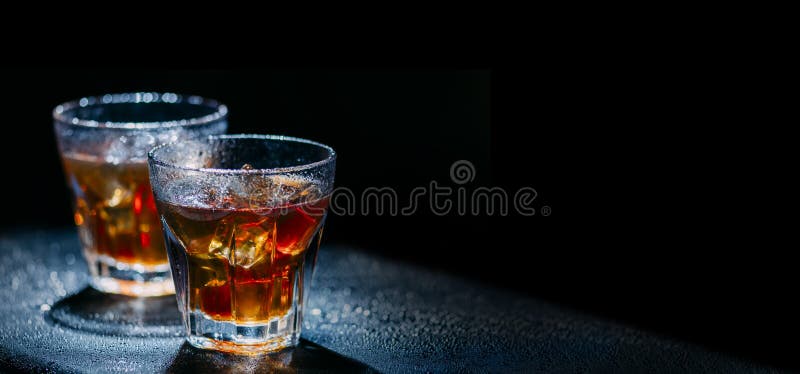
{"points": [[365, 314]]}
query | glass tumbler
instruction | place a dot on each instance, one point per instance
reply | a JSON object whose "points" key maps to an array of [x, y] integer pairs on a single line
{"points": [[103, 142], [242, 216]]}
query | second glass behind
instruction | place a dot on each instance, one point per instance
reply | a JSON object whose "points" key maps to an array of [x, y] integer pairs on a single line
{"points": [[103, 143]]}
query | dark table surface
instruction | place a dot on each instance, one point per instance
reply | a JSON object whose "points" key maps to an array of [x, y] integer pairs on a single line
{"points": [[365, 314]]}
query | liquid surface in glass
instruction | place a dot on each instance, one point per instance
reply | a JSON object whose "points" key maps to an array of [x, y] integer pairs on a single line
{"points": [[243, 263]]}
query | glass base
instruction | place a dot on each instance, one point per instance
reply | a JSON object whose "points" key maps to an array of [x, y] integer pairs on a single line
{"points": [[133, 288], [114, 277], [277, 334]]}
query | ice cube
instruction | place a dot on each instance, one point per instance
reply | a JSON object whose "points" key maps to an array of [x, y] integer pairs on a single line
{"points": [[285, 189], [257, 193], [265, 191], [255, 242], [223, 240], [130, 147], [294, 230], [308, 196], [199, 194], [118, 151], [118, 196], [142, 142], [232, 192]]}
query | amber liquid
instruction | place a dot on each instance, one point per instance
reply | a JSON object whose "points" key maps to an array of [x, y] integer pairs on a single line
{"points": [[243, 264], [115, 211]]}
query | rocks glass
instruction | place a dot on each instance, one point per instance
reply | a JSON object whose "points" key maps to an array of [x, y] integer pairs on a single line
{"points": [[242, 215], [103, 142]]}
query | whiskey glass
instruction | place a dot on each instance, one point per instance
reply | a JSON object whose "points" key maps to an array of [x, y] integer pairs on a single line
{"points": [[242, 216], [103, 142]]}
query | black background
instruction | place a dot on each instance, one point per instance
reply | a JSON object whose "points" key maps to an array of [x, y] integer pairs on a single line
{"points": [[659, 214]]}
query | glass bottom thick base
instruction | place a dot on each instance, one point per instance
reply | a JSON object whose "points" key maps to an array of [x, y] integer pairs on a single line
{"points": [[249, 339], [272, 345], [131, 280]]}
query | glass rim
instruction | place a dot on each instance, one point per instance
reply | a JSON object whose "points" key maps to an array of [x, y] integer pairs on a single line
{"points": [[144, 98], [151, 156]]}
